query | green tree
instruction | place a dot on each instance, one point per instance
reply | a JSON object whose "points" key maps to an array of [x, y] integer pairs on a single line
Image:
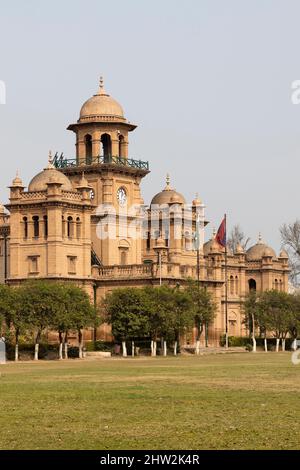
{"points": [[251, 309], [126, 312], [204, 310]]}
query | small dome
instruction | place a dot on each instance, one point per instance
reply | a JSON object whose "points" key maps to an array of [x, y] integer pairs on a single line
{"points": [[283, 254], [49, 175], [17, 181], [239, 249], [168, 196], [101, 105], [197, 201], [256, 252], [212, 246], [2, 209], [160, 243]]}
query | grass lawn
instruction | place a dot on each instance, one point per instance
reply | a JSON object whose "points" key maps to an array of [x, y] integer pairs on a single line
{"points": [[225, 401]]}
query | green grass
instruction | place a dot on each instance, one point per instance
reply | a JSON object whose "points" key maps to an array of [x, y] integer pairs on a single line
{"points": [[226, 401]]}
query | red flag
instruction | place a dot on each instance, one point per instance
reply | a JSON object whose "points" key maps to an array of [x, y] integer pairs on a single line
{"points": [[221, 233]]}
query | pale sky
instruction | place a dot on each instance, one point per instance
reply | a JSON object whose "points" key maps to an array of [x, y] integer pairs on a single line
{"points": [[207, 81]]}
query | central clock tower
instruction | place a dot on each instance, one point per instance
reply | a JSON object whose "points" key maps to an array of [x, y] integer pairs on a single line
{"points": [[114, 178]]}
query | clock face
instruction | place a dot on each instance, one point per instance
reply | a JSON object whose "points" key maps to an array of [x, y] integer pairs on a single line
{"points": [[121, 196]]}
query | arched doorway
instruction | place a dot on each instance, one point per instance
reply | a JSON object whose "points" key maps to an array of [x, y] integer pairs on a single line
{"points": [[88, 149], [252, 284], [106, 147]]}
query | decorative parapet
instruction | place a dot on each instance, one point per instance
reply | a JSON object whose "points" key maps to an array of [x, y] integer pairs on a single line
{"points": [[123, 272]]}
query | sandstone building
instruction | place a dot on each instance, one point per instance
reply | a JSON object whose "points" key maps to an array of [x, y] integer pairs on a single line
{"points": [[84, 219]]}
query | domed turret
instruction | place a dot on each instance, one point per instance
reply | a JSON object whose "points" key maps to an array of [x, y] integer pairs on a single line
{"points": [[168, 196], [257, 251], [49, 175], [101, 106]]}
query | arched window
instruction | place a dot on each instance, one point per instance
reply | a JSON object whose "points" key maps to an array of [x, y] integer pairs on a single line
{"points": [[45, 226], [78, 228], [121, 146], [36, 226], [276, 284], [106, 147], [25, 220], [88, 149], [252, 284], [63, 226], [231, 285], [70, 227], [148, 241]]}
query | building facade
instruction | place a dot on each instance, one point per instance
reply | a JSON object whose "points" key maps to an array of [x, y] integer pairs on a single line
{"points": [[84, 220]]}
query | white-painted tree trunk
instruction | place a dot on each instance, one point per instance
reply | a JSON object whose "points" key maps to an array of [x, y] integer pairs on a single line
{"points": [[80, 337], [60, 351], [132, 348], [266, 344], [277, 344], [66, 349], [17, 352], [154, 348], [254, 343], [283, 344], [36, 352], [294, 345], [124, 348], [175, 348], [165, 348], [197, 347]]}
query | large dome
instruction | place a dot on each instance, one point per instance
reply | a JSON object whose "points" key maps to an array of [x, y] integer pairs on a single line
{"points": [[260, 249], [101, 106], [168, 196], [49, 175]]}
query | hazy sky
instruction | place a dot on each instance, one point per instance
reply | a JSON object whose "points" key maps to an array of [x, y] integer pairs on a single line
{"points": [[208, 82]]}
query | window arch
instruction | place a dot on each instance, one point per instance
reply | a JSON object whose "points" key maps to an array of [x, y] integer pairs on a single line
{"points": [[70, 227], [88, 149], [36, 226], [252, 284], [236, 285], [25, 220], [276, 285], [78, 227], [106, 147]]}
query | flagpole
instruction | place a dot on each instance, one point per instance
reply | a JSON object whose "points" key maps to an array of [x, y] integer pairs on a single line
{"points": [[226, 289]]}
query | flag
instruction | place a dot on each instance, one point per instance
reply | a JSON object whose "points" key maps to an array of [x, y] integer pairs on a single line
{"points": [[221, 233]]}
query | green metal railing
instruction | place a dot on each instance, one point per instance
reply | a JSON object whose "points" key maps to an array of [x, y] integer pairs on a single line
{"points": [[61, 162]]}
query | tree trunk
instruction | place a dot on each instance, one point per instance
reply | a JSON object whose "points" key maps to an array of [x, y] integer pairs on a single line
{"points": [[17, 346], [36, 351], [36, 347], [294, 346], [277, 344], [60, 349], [197, 347], [154, 348], [253, 334], [124, 348], [132, 348], [165, 348], [175, 348], [283, 344], [266, 344], [80, 339]]}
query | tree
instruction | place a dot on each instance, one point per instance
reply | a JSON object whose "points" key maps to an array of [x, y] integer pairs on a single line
{"points": [[126, 312], [12, 307], [204, 310], [295, 320], [290, 238], [237, 237], [251, 310], [277, 309], [181, 315]]}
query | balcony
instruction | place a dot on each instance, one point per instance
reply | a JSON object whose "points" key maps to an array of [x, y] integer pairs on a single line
{"points": [[61, 162]]}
